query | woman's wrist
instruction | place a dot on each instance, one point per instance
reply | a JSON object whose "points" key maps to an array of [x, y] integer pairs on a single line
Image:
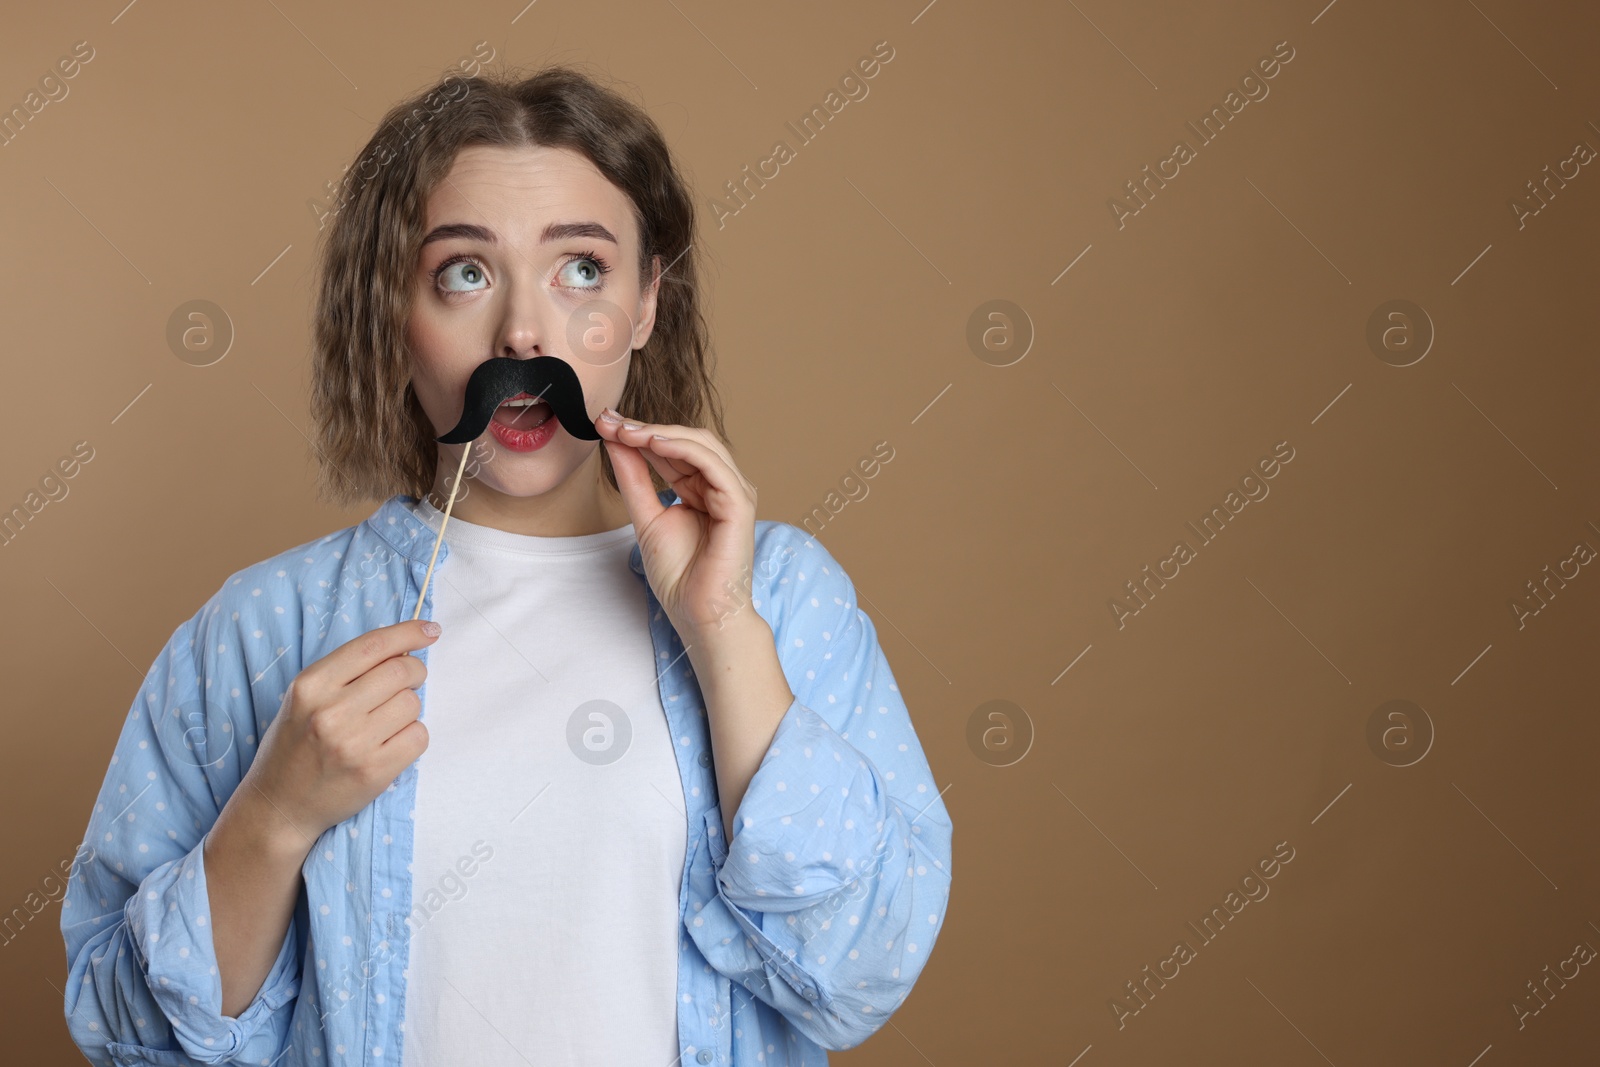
{"points": [[253, 820]]}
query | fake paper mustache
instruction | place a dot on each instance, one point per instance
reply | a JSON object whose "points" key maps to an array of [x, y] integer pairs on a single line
{"points": [[494, 381]]}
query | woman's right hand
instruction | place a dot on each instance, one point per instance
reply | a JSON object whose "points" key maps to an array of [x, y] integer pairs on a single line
{"points": [[347, 727]]}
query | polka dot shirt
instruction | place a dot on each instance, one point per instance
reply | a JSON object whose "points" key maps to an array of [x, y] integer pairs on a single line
{"points": [[802, 934]]}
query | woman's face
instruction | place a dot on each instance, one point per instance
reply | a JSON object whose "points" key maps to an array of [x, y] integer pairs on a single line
{"points": [[527, 252]]}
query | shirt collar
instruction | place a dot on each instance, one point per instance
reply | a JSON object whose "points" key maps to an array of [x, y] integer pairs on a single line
{"points": [[396, 524]]}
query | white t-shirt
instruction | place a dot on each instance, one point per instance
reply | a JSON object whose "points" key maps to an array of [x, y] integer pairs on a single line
{"points": [[550, 820]]}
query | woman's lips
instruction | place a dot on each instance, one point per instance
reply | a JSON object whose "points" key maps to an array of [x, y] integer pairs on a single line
{"points": [[523, 428]]}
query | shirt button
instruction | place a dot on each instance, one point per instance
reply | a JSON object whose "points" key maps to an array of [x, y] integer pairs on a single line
{"points": [[811, 994], [705, 1055], [705, 758]]}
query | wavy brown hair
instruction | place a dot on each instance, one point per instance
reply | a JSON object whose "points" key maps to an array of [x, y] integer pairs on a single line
{"points": [[372, 438]]}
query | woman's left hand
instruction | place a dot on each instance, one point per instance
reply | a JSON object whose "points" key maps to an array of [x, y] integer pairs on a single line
{"points": [[698, 557]]}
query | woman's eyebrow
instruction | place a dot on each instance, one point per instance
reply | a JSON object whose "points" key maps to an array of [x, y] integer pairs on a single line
{"points": [[555, 231]]}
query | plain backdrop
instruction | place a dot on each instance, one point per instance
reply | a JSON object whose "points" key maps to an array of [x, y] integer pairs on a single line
{"points": [[1139, 764]]}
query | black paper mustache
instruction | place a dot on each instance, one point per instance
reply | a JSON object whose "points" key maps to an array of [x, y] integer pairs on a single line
{"points": [[494, 381]]}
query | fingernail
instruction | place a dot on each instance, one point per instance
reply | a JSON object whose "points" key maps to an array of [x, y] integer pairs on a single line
{"points": [[431, 628], [609, 415], [630, 426]]}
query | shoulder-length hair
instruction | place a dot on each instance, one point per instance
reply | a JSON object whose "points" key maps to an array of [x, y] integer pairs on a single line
{"points": [[371, 436]]}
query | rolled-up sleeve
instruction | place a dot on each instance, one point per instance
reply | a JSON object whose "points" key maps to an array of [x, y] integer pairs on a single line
{"points": [[837, 879], [142, 983]]}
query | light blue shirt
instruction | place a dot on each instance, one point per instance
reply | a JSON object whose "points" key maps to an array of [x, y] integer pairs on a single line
{"points": [[802, 934]]}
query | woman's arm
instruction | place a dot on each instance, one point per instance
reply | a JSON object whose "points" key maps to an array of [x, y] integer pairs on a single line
{"points": [[746, 694], [253, 859], [137, 914], [826, 901]]}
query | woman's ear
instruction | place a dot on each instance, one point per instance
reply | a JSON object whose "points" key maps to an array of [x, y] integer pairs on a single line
{"points": [[646, 319]]}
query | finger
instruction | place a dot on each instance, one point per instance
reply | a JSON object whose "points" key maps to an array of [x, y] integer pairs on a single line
{"points": [[630, 440], [633, 482], [646, 429], [359, 655], [384, 681], [674, 473], [644, 437], [405, 746], [726, 492], [392, 716]]}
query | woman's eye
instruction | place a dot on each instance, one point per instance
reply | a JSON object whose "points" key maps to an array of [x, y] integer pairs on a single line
{"points": [[464, 270], [582, 273]]}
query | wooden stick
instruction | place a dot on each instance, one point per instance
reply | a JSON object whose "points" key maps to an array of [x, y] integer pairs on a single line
{"points": [[439, 539]]}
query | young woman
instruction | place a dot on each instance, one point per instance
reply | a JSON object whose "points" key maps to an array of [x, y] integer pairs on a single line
{"points": [[637, 787]]}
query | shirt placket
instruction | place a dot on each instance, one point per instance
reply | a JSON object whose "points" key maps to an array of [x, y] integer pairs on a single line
{"points": [[391, 853], [704, 998]]}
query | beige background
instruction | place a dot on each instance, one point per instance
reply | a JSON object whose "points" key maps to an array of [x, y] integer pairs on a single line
{"points": [[1230, 314]]}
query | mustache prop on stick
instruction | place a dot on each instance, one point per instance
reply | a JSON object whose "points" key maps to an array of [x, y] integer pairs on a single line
{"points": [[493, 382]]}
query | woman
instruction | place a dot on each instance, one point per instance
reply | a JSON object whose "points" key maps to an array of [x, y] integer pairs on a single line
{"points": [[668, 805]]}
